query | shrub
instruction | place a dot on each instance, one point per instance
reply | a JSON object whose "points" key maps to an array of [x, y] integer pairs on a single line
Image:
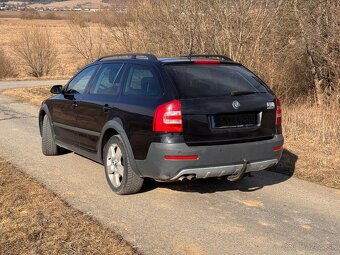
{"points": [[6, 67], [51, 15], [88, 42], [37, 49], [30, 14]]}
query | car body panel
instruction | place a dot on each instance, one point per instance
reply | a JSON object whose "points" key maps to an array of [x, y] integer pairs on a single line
{"points": [[198, 113]]}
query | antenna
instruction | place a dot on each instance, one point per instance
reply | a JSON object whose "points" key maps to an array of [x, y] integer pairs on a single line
{"points": [[191, 47], [190, 54]]}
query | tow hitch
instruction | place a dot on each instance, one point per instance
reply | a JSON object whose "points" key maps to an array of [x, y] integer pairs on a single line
{"points": [[240, 174]]}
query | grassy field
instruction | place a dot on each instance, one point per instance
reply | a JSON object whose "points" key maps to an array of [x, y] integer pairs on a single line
{"points": [[10, 30], [33, 220], [312, 151]]}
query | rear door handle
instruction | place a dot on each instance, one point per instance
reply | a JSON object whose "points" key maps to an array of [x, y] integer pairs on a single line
{"points": [[74, 105], [106, 108]]}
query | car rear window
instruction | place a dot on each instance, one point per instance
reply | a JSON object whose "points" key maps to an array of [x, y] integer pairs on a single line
{"points": [[197, 81]]}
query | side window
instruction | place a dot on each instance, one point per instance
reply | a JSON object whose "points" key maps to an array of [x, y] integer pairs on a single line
{"points": [[142, 81], [79, 83], [108, 80]]}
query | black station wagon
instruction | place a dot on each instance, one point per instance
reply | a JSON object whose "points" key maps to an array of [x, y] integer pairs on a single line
{"points": [[168, 119]]}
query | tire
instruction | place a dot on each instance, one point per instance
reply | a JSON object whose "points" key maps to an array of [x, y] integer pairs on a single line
{"points": [[49, 147], [118, 171]]}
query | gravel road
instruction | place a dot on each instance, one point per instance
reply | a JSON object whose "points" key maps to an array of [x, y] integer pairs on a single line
{"points": [[268, 213]]}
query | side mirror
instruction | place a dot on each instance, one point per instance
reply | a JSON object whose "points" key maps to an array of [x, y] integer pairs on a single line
{"points": [[56, 89]]}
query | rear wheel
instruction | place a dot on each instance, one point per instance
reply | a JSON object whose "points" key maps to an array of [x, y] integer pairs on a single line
{"points": [[49, 147], [118, 171]]}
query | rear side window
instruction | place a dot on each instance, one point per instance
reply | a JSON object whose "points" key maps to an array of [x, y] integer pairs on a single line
{"points": [[142, 81], [197, 81]]}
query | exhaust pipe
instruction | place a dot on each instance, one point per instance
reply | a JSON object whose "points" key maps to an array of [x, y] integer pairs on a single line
{"points": [[191, 177], [182, 178]]}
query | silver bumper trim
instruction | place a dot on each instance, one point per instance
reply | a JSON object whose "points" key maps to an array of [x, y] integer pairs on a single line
{"points": [[219, 171]]}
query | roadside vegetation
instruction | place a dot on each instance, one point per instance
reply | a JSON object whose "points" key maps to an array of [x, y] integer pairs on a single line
{"points": [[6, 67], [292, 45], [34, 95], [312, 143], [33, 220], [37, 49]]}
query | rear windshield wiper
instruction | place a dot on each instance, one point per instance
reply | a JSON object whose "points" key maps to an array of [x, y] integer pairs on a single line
{"points": [[241, 93]]}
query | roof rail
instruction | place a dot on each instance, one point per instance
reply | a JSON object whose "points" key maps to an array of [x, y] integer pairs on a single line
{"points": [[209, 56], [131, 56]]}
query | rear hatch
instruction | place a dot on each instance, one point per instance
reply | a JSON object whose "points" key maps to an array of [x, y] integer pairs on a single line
{"points": [[222, 103]]}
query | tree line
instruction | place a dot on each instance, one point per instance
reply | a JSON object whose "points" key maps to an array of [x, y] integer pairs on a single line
{"points": [[294, 45]]}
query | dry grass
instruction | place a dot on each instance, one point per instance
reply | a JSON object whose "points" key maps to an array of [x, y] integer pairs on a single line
{"points": [[319, 124], [312, 138], [12, 28], [34, 95], [35, 221], [67, 60], [312, 133], [6, 67]]}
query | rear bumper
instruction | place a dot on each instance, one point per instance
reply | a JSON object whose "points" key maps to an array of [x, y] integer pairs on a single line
{"points": [[213, 160]]}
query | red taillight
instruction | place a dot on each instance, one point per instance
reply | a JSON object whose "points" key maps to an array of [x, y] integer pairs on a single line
{"points": [[182, 157], [168, 118], [206, 61], [278, 112], [277, 148]]}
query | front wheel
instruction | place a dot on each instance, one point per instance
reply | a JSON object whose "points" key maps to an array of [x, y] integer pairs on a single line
{"points": [[49, 147], [118, 171]]}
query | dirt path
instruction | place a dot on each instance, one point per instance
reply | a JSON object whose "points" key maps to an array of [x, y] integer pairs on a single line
{"points": [[268, 213]]}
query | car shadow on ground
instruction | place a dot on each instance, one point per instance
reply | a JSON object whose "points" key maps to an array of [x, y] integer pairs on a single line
{"points": [[257, 180], [63, 151]]}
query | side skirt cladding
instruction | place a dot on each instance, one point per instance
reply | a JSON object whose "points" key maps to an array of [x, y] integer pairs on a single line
{"points": [[115, 124]]}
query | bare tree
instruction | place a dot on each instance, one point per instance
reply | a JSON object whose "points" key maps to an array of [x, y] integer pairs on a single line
{"points": [[37, 49], [293, 44], [88, 41], [119, 29], [320, 32], [274, 38]]}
